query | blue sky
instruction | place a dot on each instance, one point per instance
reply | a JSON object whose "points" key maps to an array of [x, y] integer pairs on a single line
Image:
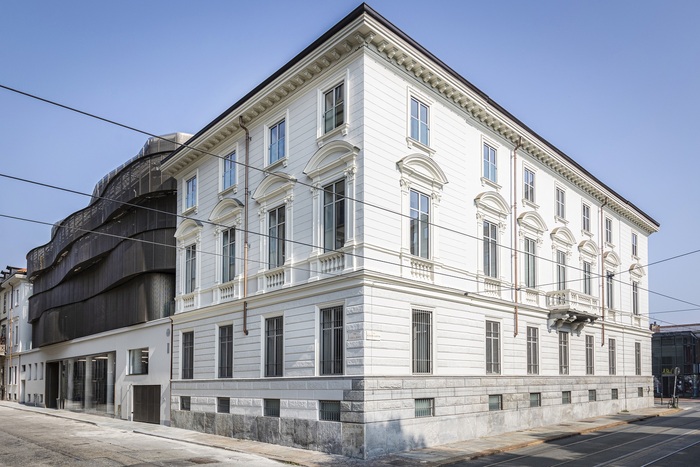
{"points": [[614, 84]]}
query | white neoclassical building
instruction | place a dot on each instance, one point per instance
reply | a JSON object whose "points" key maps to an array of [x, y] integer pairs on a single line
{"points": [[376, 256]]}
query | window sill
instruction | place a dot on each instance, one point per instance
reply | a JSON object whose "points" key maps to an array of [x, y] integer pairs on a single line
{"points": [[232, 189], [277, 164], [530, 204], [587, 233], [560, 220], [340, 130], [485, 181], [610, 245], [191, 210], [412, 143]]}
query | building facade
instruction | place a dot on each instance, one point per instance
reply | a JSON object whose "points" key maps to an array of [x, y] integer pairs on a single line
{"points": [[103, 290], [16, 336], [676, 346], [375, 256]]}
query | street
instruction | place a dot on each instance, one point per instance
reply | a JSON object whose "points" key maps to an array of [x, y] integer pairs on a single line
{"points": [[28, 438], [667, 441]]}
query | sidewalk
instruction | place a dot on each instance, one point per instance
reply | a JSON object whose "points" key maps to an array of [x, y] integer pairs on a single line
{"points": [[433, 456]]}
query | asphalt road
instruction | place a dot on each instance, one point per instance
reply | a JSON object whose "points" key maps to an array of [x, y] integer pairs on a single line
{"points": [[36, 439], [660, 441]]}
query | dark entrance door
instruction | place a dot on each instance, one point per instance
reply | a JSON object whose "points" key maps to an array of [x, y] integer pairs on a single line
{"points": [[147, 404], [51, 385]]}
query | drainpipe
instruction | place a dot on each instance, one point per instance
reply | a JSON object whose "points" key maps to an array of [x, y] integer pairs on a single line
{"points": [[245, 226], [514, 220], [602, 273]]}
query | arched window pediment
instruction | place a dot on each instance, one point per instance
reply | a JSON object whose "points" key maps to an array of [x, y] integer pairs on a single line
{"points": [[637, 271], [226, 209], [273, 185], [564, 236], [532, 221], [187, 228], [423, 169], [588, 247], [492, 202], [332, 156], [611, 258]]}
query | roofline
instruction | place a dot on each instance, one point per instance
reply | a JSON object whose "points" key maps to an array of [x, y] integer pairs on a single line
{"points": [[364, 8]]}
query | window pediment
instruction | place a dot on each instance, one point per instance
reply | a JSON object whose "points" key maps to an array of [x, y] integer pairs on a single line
{"points": [[563, 235], [492, 202], [277, 184], [188, 228], [588, 248], [225, 210], [423, 169], [637, 271], [332, 156], [532, 221], [611, 258]]}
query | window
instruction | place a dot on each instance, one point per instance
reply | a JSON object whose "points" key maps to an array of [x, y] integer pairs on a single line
{"points": [[640, 391], [334, 215], [530, 263], [490, 249], [535, 399], [635, 298], [609, 276], [529, 185], [587, 272], [420, 224], [561, 270], [425, 407], [191, 193], [563, 353], [329, 411], [637, 358], [495, 402], [228, 255], [190, 268], [271, 408], [586, 218], [566, 397], [223, 405], [332, 341], [276, 232], [274, 340], [333, 108], [277, 138], [185, 403], [226, 351], [590, 356], [490, 168], [422, 341], [493, 347], [188, 355], [420, 127], [591, 395], [138, 361], [533, 366], [608, 230], [635, 250], [612, 357], [614, 395], [228, 171], [560, 197]]}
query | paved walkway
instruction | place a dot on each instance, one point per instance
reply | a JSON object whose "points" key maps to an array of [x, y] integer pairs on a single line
{"points": [[434, 456]]}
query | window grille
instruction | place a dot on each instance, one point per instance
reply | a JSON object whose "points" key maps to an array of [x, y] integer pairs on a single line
{"points": [[272, 408], [493, 347], [187, 355], [329, 411], [274, 341], [332, 341], [422, 341], [226, 351], [425, 407]]}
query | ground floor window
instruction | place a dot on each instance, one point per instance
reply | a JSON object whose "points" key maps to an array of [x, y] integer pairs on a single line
{"points": [[84, 383]]}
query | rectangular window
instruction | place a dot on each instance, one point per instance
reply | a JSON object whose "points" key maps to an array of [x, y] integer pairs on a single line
{"points": [[490, 166], [530, 263], [422, 341], [138, 361], [277, 138], [228, 255], [493, 347], [608, 230], [333, 108], [586, 218], [590, 356], [560, 197], [420, 224], [533, 366], [587, 281], [490, 249], [271, 408], [566, 397], [561, 270], [420, 127], [334, 215], [185, 403], [634, 244], [425, 407], [529, 185], [229, 171], [223, 405], [191, 192], [226, 351], [190, 268], [274, 341], [276, 235], [640, 391], [591, 395], [612, 357], [495, 402], [614, 394], [635, 298], [563, 353], [188, 355], [332, 341], [535, 399], [329, 411], [637, 358], [609, 299]]}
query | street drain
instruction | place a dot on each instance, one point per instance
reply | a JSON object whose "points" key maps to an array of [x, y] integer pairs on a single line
{"points": [[202, 460]]}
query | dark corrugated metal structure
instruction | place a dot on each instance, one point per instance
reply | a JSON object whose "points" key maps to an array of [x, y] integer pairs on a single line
{"points": [[110, 265]]}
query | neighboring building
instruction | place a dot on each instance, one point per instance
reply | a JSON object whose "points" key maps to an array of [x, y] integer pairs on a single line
{"points": [[676, 346], [16, 335], [103, 291], [404, 264]]}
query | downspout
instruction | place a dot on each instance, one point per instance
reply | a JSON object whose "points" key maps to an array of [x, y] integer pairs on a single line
{"points": [[602, 273], [245, 226], [514, 220]]}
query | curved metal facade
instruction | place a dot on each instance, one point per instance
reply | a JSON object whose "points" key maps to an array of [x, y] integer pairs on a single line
{"points": [[109, 265]]}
